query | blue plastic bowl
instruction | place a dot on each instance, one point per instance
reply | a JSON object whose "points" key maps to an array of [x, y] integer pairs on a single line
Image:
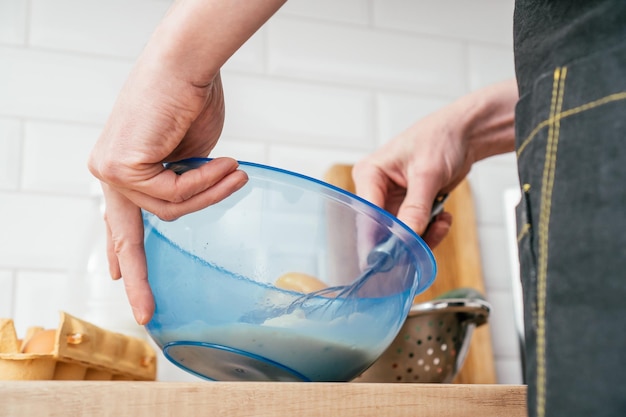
{"points": [[220, 316]]}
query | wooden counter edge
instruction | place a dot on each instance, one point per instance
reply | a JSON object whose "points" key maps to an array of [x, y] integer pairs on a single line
{"points": [[265, 399]]}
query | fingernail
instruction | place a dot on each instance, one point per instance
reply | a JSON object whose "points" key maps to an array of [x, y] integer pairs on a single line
{"points": [[140, 316]]}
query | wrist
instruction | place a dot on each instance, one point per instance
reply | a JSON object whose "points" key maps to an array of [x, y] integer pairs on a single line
{"points": [[487, 119], [175, 52], [196, 37]]}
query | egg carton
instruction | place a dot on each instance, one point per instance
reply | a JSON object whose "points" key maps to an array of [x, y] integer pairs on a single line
{"points": [[75, 350]]}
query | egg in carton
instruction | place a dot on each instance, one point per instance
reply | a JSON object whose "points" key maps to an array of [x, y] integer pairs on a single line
{"points": [[75, 350]]}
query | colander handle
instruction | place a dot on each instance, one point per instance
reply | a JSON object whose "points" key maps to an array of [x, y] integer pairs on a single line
{"points": [[463, 292], [475, 309]]}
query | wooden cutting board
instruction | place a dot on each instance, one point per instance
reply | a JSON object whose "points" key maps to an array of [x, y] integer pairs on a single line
{"points": [[458, 265]]}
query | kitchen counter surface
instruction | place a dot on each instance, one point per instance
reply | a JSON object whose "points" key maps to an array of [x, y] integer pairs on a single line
{"points": [[265, 399]]}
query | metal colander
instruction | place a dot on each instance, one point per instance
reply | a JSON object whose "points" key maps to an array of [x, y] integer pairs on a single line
{"points": [[432, 344]]}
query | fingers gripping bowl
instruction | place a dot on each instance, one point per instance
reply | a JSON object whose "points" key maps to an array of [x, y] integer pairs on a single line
{"points": [[221, 312]]}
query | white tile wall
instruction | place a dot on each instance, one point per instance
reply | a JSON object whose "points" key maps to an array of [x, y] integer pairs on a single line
{"points": [[44, 169], [13, 15], [252, 151], [38, 298], [41, 230], [324, 81], [348, 11], [10, 147], [489, 63], [290, 112], [362, 57], [36, 83], [6, 295], [311, 161], [120, 30], [396, 112], [479, 20], [250, 58]]}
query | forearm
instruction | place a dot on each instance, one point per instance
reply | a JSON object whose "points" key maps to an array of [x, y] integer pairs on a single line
{"points": [[487, 119], [197, 37]]}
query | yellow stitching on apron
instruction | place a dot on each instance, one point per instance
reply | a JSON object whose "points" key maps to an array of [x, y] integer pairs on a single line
{"points": [[523, 232], [599, 102], [532, 135], [547, 186], [583, 107]]}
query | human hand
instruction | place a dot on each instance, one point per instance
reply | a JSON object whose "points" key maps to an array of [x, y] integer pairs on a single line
{"points": [[431, 157], [408, 173], [157, 118], [170, 108]]}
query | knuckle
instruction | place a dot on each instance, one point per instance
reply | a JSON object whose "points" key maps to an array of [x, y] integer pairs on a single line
{"points": [[123, 244], [361, 168], [109, 172], [167, 215]]}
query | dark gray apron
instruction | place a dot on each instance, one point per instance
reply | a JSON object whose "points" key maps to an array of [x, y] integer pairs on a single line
{"points": [[571, 148]]}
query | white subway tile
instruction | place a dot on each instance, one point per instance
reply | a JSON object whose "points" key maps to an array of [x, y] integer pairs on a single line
{"points": [[10, 153], [39, 297], [249, 151], [509, 371], [41, 231], [115, 27], [284, 111], [310, 161], [494, 253], [483, 20], [490, 178], [13, 21], [397, 112], [504, 333], [55, 157], [349, 11], [250, 58], [365, 57], [58, 86], [6, 294], [506, 160], [489, 64]]}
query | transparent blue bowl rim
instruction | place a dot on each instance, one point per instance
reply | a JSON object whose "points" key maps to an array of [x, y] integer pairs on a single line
{"points": [[198, 161]]}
